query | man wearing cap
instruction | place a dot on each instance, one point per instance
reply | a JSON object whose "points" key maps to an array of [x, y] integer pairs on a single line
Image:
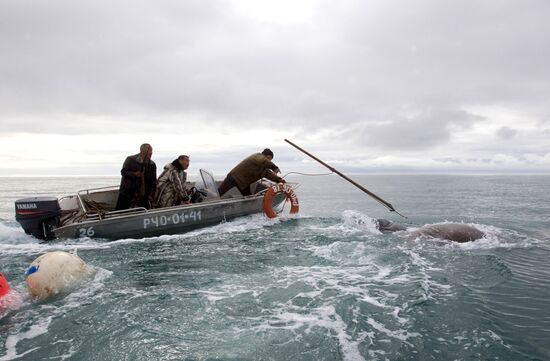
{"points": [[249, 170], [171, 183]]}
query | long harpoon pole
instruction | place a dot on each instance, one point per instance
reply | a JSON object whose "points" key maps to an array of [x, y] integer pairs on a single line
{"points": [[377, 198]]}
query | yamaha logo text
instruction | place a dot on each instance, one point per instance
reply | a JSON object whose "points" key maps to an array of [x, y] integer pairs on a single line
{"points": [[26, 206]]}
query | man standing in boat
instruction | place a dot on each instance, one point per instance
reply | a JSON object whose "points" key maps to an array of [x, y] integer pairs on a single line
{"points": [[171, 184], [139, 180], [249, 170]]}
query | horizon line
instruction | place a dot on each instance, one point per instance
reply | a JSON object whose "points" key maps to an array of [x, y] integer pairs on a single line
{"points": [[305, 175]]}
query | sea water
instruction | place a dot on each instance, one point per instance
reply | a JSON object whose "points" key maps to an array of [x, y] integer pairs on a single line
{"points": [[323, 285]]}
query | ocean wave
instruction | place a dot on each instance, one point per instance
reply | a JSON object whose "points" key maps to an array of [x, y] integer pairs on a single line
{"points": [[350, 224], [313, 301], [238, 225], [37, 328], [13, 240], [35, 319], [14, 234], [355, 221], [35, 247]]}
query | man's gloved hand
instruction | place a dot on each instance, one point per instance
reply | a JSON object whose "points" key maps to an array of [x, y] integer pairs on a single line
{"points": [[194, 190], [195, 195]]}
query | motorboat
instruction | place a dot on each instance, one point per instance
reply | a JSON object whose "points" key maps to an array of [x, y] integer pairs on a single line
{"points": [[91, 212]]}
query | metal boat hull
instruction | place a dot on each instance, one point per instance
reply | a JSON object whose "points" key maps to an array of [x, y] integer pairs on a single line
{"points": [[163, 221]]}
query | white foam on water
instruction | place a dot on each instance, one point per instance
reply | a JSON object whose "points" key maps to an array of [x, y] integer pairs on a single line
{"points": [[499, 238], [14, 235], [361, 255], [383, 276], [326, 317], [38, 248], [40, 327], [344, 252], [72, 350], [227, 292], [475, 339], [345, 282], [416, 270], [356, 274], [421, 274], [238, 225], [355, 221], [378, 355], [214, 296], [43, 313], [11, 302], [322, 318], [401, 335], [88, 287]]}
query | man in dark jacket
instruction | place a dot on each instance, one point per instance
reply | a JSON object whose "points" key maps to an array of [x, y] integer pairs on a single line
{"points": [[139, 180], [249, 170]]}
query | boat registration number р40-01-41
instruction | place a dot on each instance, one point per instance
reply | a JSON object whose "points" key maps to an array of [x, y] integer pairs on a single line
{"points": [[160, 221]]}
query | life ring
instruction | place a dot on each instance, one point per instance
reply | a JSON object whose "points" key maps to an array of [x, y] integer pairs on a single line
{"points": [[277, 189]]}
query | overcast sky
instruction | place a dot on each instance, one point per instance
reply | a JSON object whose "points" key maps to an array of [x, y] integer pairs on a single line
{"points": [[368, 86]]}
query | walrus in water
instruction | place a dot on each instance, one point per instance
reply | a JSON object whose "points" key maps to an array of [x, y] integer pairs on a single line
{"points": [[456, 232]]}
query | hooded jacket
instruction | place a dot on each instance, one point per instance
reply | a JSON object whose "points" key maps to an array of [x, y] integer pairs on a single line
{"points": [[171, 185]]}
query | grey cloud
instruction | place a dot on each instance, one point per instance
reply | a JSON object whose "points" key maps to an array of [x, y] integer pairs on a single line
{"points": [[90, 57], [506, 133], [351, 72], [452, 160], [422, 130]]}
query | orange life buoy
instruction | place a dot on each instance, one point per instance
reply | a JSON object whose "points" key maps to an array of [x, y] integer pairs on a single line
{"points": [[4, 286], [9, 298], [278, 189]]}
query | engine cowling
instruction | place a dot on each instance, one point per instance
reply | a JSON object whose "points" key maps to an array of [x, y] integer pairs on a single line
{"points": [[38, 216]]}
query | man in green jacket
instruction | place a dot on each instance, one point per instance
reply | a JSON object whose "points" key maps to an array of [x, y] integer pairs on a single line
{"points": [[249, 170]]}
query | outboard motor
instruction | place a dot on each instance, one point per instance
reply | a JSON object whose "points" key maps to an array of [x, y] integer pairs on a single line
{"points": [[38, 216]]}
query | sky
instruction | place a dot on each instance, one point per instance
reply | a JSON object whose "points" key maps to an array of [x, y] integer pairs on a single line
{"points": [[426, 86]]}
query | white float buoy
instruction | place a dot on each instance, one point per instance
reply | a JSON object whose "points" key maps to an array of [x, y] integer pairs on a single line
{"points": [[53, 272]]}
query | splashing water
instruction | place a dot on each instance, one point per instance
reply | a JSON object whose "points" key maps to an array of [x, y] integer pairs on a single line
{"points": [[325, 285]]}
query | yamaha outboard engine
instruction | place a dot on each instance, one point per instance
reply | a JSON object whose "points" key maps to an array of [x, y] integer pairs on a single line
{"points": [[38, 216]]}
